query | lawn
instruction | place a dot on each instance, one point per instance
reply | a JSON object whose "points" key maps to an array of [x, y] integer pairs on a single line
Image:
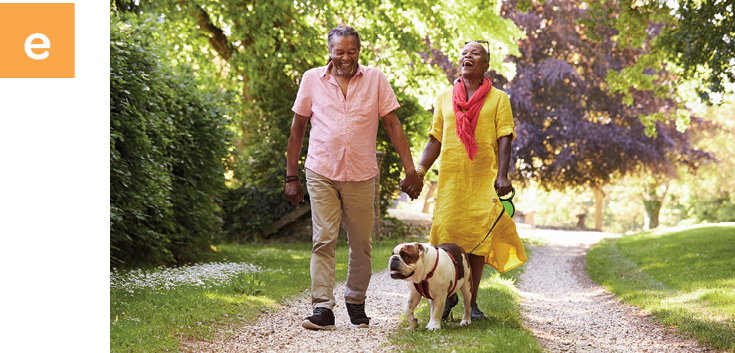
{"points": [[686, 278]]}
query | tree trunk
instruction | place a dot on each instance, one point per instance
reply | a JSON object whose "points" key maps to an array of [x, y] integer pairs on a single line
{"points": [[654, 202], [599, 204], [652, 210]]}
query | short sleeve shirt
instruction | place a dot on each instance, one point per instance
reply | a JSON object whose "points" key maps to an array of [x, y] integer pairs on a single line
{"points": [[344, 129]]}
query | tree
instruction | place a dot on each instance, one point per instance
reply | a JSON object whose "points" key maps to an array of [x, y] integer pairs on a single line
{"points": [[572, 130], [691, 38]]}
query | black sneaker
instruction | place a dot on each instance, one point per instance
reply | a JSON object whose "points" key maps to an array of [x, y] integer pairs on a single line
{"points": [[477, 314], [323, 319], [451, 302], [357, 315]]}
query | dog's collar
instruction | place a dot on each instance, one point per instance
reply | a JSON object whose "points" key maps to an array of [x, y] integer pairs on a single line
{"points": [[423, 286]]}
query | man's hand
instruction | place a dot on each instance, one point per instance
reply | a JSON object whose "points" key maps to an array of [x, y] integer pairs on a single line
{"points": [[412, 185], [295, 193], [503, 186]]}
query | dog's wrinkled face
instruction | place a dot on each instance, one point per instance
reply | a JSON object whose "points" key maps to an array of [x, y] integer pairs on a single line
{"points": [[404, 260]]}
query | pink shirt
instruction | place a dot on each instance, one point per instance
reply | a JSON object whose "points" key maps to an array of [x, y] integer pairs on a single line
{"points": [[343, 130]]}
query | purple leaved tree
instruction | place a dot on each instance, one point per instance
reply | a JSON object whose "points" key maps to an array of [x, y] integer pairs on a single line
{"points": [[571, 130]]}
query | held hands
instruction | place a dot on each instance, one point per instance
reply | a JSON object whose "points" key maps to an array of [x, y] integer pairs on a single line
{"points": [[294, 193], [412, 185], [503, 186]]}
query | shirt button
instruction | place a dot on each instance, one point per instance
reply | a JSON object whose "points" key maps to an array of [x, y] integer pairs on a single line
{"points": [[495, 200]]}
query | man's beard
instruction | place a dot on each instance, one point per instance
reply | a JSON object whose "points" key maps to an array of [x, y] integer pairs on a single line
{"points": [[345, 71]]}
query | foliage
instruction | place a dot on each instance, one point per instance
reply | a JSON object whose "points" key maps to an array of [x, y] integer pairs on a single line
{"points": [[152, 319], [692, 37], [682, 277], [167, 143], [248, 210], [415, 121], [708, 195], [571, 130], [503, 332]]}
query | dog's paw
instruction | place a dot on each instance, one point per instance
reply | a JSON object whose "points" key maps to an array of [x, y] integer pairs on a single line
{"points": [[465, 322], [433, 327], [413, 324]]}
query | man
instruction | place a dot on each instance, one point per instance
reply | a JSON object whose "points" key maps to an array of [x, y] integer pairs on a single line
{"points": [[344, 101]]}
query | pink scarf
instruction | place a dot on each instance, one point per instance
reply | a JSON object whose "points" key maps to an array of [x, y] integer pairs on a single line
{"points": [[466, 122]]}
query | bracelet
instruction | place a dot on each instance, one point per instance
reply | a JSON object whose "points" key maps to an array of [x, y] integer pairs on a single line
{"points": [[421, 171], [290, 178]]}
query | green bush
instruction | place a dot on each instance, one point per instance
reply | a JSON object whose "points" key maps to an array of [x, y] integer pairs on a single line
{"points": [[167, 146], [247, 210]]}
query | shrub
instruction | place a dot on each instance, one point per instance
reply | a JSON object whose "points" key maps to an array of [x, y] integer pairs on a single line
{"points": [[167, 146]]}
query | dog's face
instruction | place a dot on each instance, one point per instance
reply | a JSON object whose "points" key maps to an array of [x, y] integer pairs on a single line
{"points": [[405, 260]]}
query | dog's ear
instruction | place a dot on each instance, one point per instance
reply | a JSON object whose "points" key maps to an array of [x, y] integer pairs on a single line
{"points": [[410, 254], [420, 247]]}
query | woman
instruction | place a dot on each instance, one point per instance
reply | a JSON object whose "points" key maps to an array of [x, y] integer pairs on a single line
{"points": [[472, 130]]}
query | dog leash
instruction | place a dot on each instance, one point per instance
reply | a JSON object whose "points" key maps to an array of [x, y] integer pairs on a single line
{"points": [[510, 208]]}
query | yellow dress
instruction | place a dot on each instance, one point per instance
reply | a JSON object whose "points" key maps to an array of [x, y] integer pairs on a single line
{"points": [[467, 205]]}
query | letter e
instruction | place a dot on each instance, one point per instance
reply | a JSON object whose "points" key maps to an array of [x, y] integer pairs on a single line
{"points": [[45, 45]]}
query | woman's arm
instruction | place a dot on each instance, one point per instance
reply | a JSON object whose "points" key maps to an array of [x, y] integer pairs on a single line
{"points": [[502, 184]]}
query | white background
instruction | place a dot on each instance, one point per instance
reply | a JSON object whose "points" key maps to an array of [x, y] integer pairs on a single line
{"points": [[54, 199]]}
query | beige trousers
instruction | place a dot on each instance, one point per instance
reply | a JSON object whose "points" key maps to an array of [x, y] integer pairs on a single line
{"points": [[352, 202]]}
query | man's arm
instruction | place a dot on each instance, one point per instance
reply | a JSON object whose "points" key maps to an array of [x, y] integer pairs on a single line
{"points": [[400, 143], [502, 184], [294, 190]]}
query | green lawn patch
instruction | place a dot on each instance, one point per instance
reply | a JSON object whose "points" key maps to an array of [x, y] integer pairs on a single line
{"points": [[685, 278], [504, 332], [150, 309]]}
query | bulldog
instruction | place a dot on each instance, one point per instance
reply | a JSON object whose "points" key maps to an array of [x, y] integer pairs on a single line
{"points": [[434, 273]]}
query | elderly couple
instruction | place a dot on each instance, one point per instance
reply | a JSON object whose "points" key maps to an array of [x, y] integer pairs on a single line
{"points": [[472, 130]]}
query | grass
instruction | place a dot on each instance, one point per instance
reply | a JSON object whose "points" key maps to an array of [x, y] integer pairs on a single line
{"points": [[685, 278], [504, 332], [151, 309]]}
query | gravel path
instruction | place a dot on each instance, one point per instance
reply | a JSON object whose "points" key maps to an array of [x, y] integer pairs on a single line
{"points": [[568, 312], [563, 308], [282, 331]]}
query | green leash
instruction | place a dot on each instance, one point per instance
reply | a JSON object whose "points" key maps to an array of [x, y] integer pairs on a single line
{"points": [[508, 206]]}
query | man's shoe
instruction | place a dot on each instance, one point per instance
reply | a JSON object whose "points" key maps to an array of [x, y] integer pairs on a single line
{"points": [[477, 314], [357, 315], [323, 319], [451, 302]]}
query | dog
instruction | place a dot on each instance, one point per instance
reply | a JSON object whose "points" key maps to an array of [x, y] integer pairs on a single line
{"points": [[434, 273]]}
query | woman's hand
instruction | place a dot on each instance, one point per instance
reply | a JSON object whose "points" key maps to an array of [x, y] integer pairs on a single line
{"points": [[412, 185], [503, 186]]}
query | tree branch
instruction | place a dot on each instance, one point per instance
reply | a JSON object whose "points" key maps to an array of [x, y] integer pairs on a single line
{"points": [[218, 40]]}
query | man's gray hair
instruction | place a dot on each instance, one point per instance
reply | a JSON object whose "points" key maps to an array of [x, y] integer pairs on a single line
{"points": [[342, 31]]}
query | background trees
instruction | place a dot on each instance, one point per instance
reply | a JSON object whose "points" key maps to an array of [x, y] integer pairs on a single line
{"points": [[572, 130]]}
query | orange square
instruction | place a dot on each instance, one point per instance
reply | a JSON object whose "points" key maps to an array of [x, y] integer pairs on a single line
{"points": [[36, 40]]}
